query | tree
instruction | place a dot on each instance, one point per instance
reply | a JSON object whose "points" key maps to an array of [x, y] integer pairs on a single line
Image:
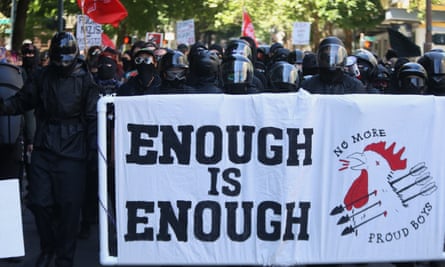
{"points": [[38, 17]]}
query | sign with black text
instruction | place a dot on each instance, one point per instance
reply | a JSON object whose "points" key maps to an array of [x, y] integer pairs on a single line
{"points": [[278, 179]]}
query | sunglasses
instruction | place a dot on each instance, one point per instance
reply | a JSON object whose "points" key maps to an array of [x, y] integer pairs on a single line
{"points": [[145, 60]]}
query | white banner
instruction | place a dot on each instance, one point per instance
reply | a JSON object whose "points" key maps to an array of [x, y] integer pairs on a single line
{"points": [[301, 33], [279, 178], [88, 32], [11, 231], [185, 32]]}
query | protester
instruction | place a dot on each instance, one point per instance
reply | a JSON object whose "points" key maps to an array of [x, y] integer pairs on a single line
{"points": [[205, 71], [238, 75], [283, 77], [434, 64], [332, 79], [64, 98], [368, 67], [147, 80], [413, 79], [173, 69]]}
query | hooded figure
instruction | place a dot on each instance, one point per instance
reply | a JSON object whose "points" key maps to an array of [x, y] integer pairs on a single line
{"points": [[147, 80]]}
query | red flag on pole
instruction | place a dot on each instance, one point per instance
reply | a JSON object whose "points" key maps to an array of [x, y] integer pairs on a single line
{"points": [[106, 41], [247, 28], [104, 11]]}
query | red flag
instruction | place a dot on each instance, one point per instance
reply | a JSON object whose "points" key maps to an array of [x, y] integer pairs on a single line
{"points": [[106, 41], [104, 11], [247, 28]]}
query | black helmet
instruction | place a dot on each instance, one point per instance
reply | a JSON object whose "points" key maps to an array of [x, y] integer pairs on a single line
{"points": [[283, 77], [434, 64], [173, 65], [331, 53], [296, 57], [238, 47], [173, 59], [367, 64], [237, 69], [205, 63], [310, 65], [412, 78], [281, 54], [383, 78], [63, 51]]}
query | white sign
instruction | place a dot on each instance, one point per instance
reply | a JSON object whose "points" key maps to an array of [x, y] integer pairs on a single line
{"points": [[11, 230], [88, 32], [275, 179], [301, 33], [185, 32]]}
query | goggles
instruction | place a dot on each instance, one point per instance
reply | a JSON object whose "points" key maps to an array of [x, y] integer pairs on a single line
{"points": [[145, 60]]}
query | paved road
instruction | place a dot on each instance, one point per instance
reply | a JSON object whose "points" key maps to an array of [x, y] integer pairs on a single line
{"points": [[87, 254]]}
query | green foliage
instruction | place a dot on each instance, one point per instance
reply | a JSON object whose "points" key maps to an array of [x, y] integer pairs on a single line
{"points": [[221, 16]]}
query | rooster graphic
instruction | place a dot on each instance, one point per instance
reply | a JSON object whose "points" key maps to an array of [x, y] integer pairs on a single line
{"points": [[370, 191]]}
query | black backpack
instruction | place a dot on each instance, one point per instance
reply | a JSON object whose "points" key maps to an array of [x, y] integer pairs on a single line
{"points": [[11, 81]]}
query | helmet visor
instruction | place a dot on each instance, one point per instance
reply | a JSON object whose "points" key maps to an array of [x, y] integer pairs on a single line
{"points": [[237, 72], [439, 66], [413, 82], [332, 56]]}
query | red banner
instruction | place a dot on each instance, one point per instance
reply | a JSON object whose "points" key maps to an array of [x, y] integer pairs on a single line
{"points": [[104, 11]]}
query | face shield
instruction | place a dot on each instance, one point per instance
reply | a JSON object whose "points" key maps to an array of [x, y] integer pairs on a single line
{"points": [[332, 56], [237, 72]]}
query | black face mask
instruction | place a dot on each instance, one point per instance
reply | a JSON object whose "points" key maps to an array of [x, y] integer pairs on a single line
{"points": [[145, 73], [28, 62], [331, 76], [106, 72]]}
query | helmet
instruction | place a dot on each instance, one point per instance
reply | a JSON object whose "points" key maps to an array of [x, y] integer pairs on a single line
{"points": [[173, 65], [382, 79], [412, 78], [205, 63], [239, 47], [310, 65], [434, 64], [331, 54], [63, 51], [367, 64], [173, 59], [237, 70], [281, 54], [283, 77], [296, 57]]}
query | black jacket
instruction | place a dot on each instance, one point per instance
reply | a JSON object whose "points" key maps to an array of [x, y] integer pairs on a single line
{"points": [[65, 110], [348, 85], [134, 87]]}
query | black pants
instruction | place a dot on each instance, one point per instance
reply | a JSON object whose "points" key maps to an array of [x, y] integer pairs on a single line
{"points": [[56, 189]]}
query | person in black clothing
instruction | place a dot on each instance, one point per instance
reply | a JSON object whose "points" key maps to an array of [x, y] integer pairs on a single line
{"points": [[283, 77], [434, 63], [64, 97], [332, 79], [173, 69], [147, 81], [205, 71], [244, 48], [368, 66], [238, 75]]}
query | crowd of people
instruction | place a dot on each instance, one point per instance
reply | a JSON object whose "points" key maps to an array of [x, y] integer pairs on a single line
{"points": [[62, 86]]}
